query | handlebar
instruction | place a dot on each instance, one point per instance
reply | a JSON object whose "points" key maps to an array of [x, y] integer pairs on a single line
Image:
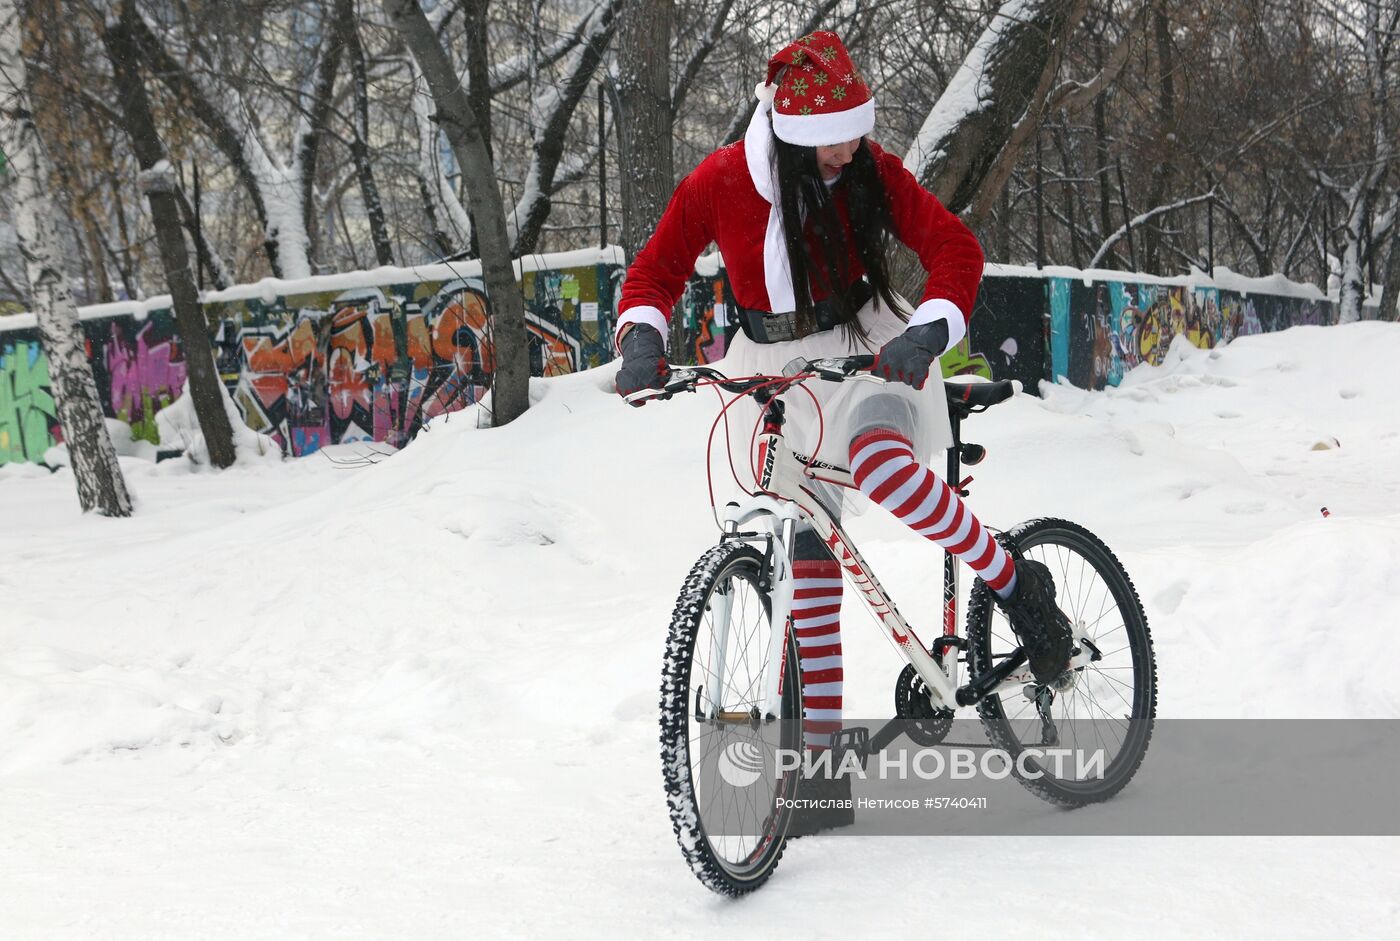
{"points": [[830, 368]]}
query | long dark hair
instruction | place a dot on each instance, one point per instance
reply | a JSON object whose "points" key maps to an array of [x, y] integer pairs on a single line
{"points": [[803, 194]]}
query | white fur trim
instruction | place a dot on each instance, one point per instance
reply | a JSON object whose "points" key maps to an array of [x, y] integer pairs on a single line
{"points": [[821, 130], [758, 153], [940, 308], [765, 92], [652, 316]]}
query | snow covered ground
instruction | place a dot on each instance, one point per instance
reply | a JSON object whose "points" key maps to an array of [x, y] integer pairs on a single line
{"points": [[418, 698]]}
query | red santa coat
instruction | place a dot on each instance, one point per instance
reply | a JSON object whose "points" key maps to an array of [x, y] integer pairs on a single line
{"points": [[726, 200]]}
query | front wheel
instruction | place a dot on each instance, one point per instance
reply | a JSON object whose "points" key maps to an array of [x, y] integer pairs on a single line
{"points": [[719, 751], [1102, 711]]}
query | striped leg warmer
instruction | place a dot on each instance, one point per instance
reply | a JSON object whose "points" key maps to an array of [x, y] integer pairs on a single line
{"points": [[882, 462], [816, 617]]}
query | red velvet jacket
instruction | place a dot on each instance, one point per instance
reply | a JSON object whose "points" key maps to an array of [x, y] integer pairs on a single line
{"points": [[720, 203]]}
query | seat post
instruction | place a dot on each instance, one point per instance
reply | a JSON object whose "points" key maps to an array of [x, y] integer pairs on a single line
{"points": [[955, 450]]}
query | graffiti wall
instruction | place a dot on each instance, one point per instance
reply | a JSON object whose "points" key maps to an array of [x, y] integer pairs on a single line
{"points": [[327, 367], [1100, 330], [1031, 327], [373, 363], [28, 416], [706, 325]]}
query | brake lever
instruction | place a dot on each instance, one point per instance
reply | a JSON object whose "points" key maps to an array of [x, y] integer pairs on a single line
{"points": [[646, 395]]}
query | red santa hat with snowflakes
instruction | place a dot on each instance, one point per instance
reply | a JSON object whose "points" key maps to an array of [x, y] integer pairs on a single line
{"points": [[816, 98], [816, 95]]}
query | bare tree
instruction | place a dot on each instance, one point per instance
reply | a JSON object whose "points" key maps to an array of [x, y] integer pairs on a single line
{"points": [[281, 189], [96, 471], [1001, 84], [158, 182], [643, 86], [347, 26], [533, 207], [510, 386], [1379, 31]]}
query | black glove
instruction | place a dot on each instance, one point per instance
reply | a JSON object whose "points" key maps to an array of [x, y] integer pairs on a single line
{"points": [[908, 356], [643, 361]]}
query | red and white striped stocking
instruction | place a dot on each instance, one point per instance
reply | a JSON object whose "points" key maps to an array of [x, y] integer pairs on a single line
{"points": [[816, 617], [882, 462]]}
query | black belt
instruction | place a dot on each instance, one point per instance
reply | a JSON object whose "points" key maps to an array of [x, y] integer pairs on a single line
{"points": [[761, 326]]}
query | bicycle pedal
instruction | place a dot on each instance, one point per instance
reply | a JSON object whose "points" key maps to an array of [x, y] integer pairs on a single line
{"points": [[854, 739]]}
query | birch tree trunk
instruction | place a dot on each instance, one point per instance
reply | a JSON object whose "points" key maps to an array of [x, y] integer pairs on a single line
{"points": [[94, 460], [158, 183], [510, 387]]}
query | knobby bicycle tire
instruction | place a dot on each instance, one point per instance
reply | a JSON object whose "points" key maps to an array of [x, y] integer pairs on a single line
{"points": [[719, 566], [1039, 533]]}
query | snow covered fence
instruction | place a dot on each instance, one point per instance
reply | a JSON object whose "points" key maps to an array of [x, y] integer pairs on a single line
{"points": [[370, 355], [358, 356]]}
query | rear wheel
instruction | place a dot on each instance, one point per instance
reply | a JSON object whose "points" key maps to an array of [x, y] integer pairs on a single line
{"points": [[718, 751], [1102, 711]]}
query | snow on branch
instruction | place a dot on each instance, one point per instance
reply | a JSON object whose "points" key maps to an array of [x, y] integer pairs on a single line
{"points": [[969, 91], [516, 69], [1139, 220], [524, 221], [698, 55]]}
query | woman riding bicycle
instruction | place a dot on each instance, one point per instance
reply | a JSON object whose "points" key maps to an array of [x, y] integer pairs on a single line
{"points": [[802, 210]]}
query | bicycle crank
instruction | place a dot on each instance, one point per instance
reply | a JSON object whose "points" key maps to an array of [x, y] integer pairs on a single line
{"points": [[926, 724]]}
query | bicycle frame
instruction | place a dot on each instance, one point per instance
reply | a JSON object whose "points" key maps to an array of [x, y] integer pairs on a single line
{"points": [[787, 499], [784, 501]]}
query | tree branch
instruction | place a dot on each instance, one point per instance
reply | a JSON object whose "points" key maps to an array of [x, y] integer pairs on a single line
{"points": [[1139, 220]]}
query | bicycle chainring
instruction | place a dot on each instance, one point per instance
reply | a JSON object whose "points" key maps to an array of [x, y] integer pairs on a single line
{"points": [[927, 726]]}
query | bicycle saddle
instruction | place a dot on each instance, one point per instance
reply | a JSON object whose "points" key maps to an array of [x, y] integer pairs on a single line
{"points": [[968, 397]]}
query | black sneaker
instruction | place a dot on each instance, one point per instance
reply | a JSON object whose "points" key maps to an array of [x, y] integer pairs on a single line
{"points": [[1040, 625], [807, 820]]}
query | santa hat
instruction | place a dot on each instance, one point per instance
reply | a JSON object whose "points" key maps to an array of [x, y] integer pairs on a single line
{"points": [[817, 96]]}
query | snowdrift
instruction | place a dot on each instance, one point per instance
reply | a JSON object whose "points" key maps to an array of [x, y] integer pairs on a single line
{"points": [[419, 696]]}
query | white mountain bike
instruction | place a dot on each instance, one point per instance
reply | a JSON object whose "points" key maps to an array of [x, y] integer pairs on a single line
{"points": [[728, 673]]}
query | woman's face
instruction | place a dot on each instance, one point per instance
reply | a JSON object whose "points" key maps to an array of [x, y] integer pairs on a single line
{"points": [[831, 159]]}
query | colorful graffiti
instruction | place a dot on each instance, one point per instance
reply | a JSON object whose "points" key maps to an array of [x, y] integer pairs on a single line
{"points": [[570, 315], [375, 363], [28, 414], [706, 326], [139, 371], [311, 370], [1100, 330]]}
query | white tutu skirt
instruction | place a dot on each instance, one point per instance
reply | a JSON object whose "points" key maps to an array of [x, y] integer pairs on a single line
{"points": [[847, 408]]}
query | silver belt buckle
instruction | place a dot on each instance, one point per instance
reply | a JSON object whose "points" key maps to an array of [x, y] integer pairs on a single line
{"points": [[780, 327]]}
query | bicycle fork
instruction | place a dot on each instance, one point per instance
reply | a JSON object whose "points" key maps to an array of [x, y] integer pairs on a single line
{"points": [[780, 523]]}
